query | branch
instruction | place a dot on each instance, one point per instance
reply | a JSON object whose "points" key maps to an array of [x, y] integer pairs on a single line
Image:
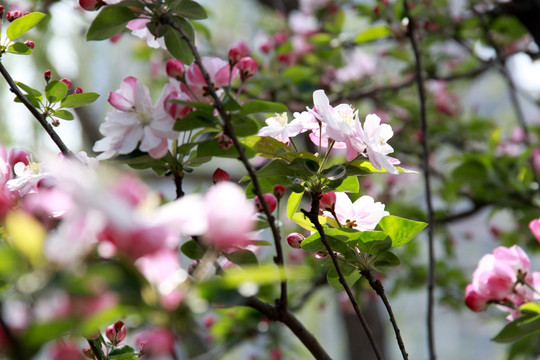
{"points": [[275, 313], [379, 289], [40, 117], [427, 177], [313, 216], [228, 129]]}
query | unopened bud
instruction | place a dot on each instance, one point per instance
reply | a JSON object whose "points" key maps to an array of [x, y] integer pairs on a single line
{"points": [[224, 142], [1, 11], [12, 15], [270, 201], [116, 332], [175, 69], [328, 201], [247, 67], [295, 239], [91, 5], [234, 56], [279, 191], [29, 43], [78, 90], [208, 321], [220, 175], [67, 82], [280, 38], [47, 75]]}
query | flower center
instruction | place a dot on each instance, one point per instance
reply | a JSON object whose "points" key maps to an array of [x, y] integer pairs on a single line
{"points": [[34, 167], [282, 119], [346, 116], [350, 223], [144, 117]]}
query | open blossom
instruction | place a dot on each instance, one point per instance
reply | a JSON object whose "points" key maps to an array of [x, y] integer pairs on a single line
{"points": [[364, 214], [219, 72], [375, 136], [281, 129], [134, 122], [138, 28], [534, 225], [29, 178]]}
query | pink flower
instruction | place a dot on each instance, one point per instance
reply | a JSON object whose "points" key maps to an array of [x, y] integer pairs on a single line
{"points": [[155, 341], [303, 24], [374, 137], [280, 129], [358, 65], [229, 214], [220, 175], [270, 201], [62, 350], [29, 178], [138, 28], [116, 332], [219, 72], [534, 225], [173, 90], [247, 66], [364, 214], [328, 201], [175, 69], [475, 301], [134, 122], [295, 240]]}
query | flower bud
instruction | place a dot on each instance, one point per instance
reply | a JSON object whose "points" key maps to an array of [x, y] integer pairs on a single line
{"points": [[47, 75], [224, 142], [270, 201], [12, 15], [328, 201], [88, 353], [29, 43], [91, 5], [279, 191], [280, 38], [247, 67], [1, 11], [220, 175], [78, 90], [116, 332], [175, 69], [208, 321], [67, 82], [234, 56], [295, 239]]}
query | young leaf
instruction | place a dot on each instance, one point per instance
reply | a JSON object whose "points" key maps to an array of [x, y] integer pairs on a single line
{"points": [[526, 325], [19, 49], [23, 24], [191, 10], [31, 91], [178, 47], [293, 203], [349, 184], [242, 257], [401, 230], [55, 91], [373, 33], [192, 250], [77, 100], [63, 114], [351, 274], [259, 106], [110, 21]]}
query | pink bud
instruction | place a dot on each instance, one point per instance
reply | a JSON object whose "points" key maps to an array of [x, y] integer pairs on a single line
{"points": [[47, 75], [474, 300], [91, 5], [535, 228], [220, 175], [175, 69], [88, 353], [266, 47], [29, 43], [242, 47], [1, 11], [116, 332], [328, 201], [234, 56], [270, 201], [208, 321], [247, 67], [224, 142], [295, 239], [280, 38], [67, 82], [78, 90], [12, 15], [279, 191], [18, 155]]}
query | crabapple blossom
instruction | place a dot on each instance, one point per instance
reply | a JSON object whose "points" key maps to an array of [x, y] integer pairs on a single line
{"points": [[295, 240], [281, 129], [279, 191], [116, 332], [134, 120], [91, 5], [364, 214], [534, 225], [374, 137], [173, 90], [138, 28], [67, 82], [155, 341], [219, 72], [220, 175], [28, 177], [358, 65], [247, 66], [175, 69], [30, 44], [47, 75], [328, 201], [270, 201]]}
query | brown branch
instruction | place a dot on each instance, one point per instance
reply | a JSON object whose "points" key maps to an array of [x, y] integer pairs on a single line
{"points": [[313, 216], [379, 289], [42, 119], [427, 176]]}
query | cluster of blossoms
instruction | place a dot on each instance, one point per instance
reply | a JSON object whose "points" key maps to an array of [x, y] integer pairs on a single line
{"points": [[337, 127], [504, 278], [137, 122]]}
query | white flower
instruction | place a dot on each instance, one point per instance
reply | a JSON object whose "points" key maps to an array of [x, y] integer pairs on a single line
{"points": [[364, 214], [374, 136], [281, 129]]}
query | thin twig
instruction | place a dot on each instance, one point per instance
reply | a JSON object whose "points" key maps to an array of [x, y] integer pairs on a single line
{"points": [[42, 119], [427, 177], [379, 289], [228, 129], [313, 216]]}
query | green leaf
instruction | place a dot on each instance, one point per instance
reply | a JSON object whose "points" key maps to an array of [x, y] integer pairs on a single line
{"points": [[23, 24], [178, 47], [401, 230], [63, 114], [110, 21], [40, 333], [194, 120], [334, 172], [77, 100], [191, 10], [55, 91], [525, 325], [379, 245], [350, 184], [386, 259], [122, 350], [31, 91], [192, 250], [19, 49], [293, 203], [351, 274], [259, 106], [266, 146], [373, 33], [299, 167], [242, 257], [530, 307]]}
